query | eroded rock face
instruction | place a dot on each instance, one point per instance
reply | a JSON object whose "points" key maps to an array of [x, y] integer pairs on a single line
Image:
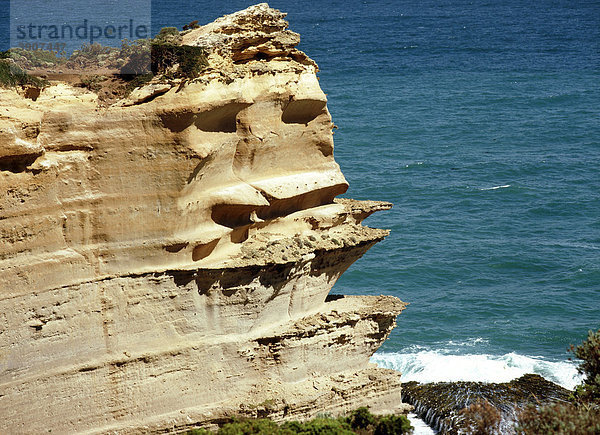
{"points": [[165, 262], [442, 404]]}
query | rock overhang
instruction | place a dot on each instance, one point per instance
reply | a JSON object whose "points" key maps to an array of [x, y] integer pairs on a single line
{"points": [[192, 227]]}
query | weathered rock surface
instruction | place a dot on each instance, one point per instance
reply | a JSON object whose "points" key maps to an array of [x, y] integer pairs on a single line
{"points": [[440, 404], [165, 262]]}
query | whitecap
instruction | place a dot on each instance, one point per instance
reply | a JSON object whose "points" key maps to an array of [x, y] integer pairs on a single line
{"points": [[435, 366], [504, 186], [470, 342], [412, 164]]}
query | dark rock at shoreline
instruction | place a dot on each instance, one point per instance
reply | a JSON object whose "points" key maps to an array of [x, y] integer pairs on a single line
{"points": [[439, 404]]}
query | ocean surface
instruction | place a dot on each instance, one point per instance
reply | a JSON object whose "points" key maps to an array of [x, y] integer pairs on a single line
{"points": [[480, 121]]}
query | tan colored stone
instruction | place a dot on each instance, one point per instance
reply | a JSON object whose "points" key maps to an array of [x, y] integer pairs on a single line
{"points": [[165, 262]]}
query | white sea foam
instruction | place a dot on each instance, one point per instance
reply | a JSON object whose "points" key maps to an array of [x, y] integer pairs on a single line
{"points": [[437, 366], [504, 186], [468, 343], [419, 426]]}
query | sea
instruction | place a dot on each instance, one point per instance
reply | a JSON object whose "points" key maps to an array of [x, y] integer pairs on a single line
{"points": [[480, 121]]}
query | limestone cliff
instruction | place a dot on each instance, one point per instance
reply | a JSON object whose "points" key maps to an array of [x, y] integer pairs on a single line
{"points": [[166, 261]]}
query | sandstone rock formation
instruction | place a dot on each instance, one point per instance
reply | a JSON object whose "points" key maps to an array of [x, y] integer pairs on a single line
{"points": [[442, 404], [166, 261]]}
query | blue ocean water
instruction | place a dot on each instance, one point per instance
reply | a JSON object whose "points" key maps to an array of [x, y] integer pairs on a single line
{"points": [[480, 121]]}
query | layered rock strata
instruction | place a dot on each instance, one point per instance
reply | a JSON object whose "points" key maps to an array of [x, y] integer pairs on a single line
{"points": [[166, 262], [442, 405]]}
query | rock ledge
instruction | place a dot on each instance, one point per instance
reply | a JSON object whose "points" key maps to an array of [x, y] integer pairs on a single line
{"points": [[166, 262]]}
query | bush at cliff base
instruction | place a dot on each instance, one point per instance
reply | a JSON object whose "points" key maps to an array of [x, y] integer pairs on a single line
{"points": [[589, 353], [560, 418], [393, 424], [316, 426], [361, 418], [360, 421], [582, 415], [482, 418]]}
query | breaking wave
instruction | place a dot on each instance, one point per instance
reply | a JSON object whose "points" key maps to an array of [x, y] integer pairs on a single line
{"points": [[438, 366]]}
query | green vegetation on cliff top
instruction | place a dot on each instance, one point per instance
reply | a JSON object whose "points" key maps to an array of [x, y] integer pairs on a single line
{"points": [[135, 62]]}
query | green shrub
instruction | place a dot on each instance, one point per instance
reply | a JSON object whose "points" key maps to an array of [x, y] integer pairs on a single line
{"points": [[91, 56], [11, 75], [92, 51], [559, 418], [393, 425], [137, 81], [167, 31], [482, 418], [364, 423], [135, 56], [36, 58], [168, 35], [318, 426], [361, 418], [292, 426], [247, 427], [589, 353], [92, 82], [580, 417], [180, 60], [192, 25]]}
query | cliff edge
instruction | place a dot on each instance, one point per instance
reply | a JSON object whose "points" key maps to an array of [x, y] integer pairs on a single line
{"points": [[166, 261]]}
